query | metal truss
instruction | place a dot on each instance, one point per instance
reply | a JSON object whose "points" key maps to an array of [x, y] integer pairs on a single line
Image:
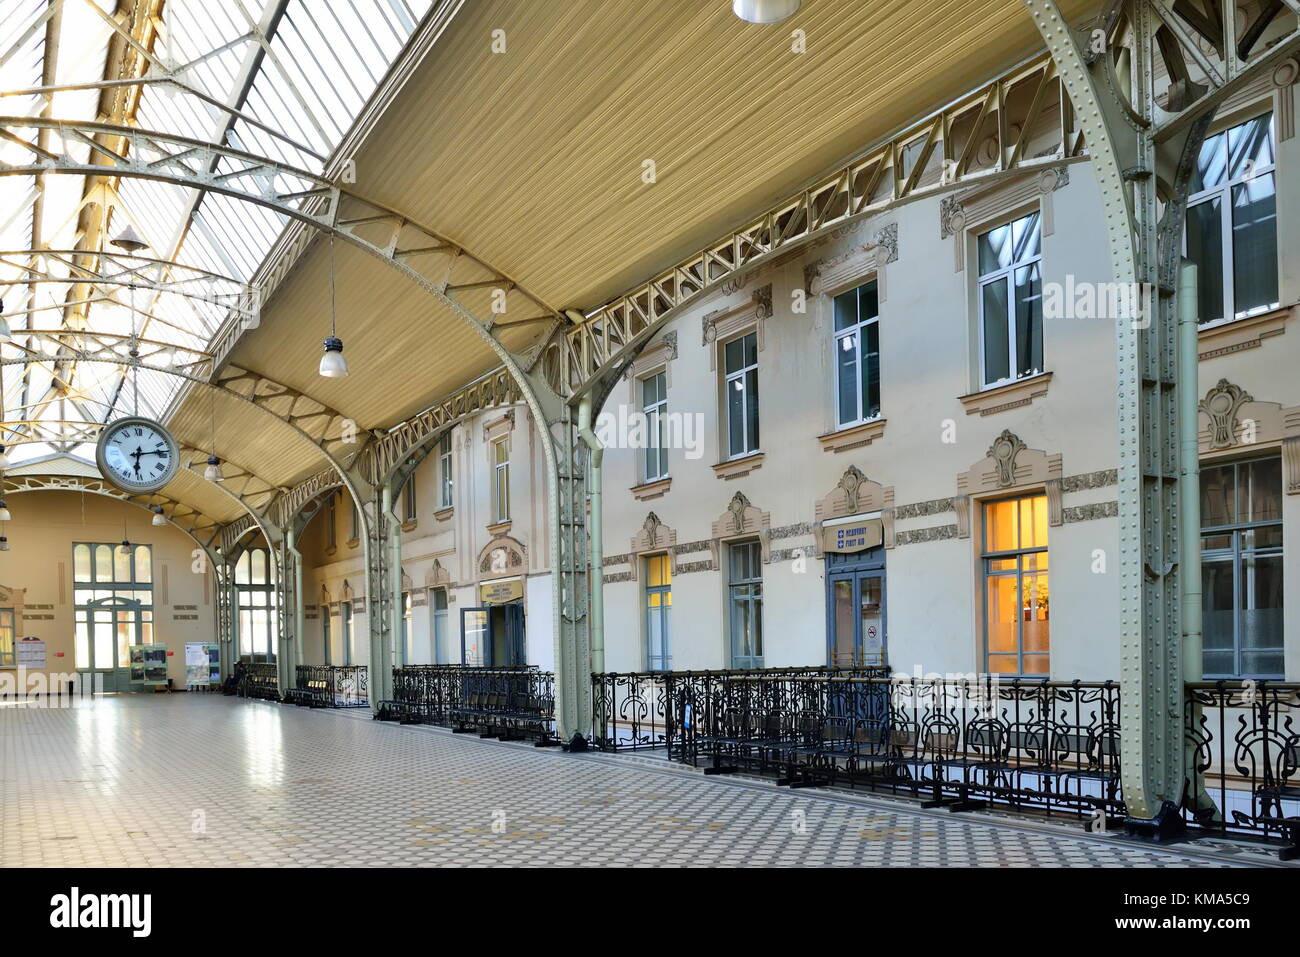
{"points": [[476, 292], [984, 136], [1144, 126], [205, 530], [292, 502]]}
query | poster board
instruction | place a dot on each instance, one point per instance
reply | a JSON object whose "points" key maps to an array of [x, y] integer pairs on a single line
{"points": [[31, 654], [202, 664], [149, 664]]}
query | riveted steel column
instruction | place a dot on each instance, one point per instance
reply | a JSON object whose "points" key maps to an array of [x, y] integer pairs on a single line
{"points": [[380, 532], [1121, 146]]}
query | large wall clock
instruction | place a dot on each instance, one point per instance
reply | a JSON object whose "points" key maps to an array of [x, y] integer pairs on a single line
{"points": [[137, 454]]}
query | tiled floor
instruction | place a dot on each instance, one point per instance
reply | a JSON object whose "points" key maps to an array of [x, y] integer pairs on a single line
{"points": [[181, 780]]}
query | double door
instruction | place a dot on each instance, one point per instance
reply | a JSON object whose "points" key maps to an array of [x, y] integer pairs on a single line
{"points": [[106, 629], [492, 636], [856, 618]]}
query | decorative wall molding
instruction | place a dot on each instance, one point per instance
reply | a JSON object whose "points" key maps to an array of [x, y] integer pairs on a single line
{"points": [[855, 494], [739, 468], [499, 426], [727, 323], [651, 490], [741, 520], [837, 274], [1220, 406], [853, 437], [1013, 395], [1241, 334], [964, 214], [1010, 466], [1233, 419], [653, 537], [657, 355], [1283, 79], [502, 557], [1088, 513]]}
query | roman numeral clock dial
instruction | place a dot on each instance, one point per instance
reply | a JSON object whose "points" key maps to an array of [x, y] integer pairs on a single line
{"points": [[137, 454]]}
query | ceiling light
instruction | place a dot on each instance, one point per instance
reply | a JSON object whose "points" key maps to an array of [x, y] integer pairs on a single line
{"points": [[4, 544], [125, 547], [213, 472], [129, 240], [4, 512], [764, 11], [4, 459], [158, 518], [332, 363]]}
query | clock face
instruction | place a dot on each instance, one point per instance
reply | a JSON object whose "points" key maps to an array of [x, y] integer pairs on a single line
{"points": [[137, 454]]}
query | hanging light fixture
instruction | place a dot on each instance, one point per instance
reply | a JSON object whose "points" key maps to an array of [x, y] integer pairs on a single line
{"points": [[4, 512], [764, 11], [4, 544], [213, 472], [129, 240], [332, 363], [4, 459], [158, 518]]}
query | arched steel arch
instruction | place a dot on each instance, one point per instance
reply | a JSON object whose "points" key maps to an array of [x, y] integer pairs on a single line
{"points": [[1143, 155]]}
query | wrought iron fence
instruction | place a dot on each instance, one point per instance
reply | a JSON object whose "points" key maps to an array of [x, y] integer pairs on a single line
{"points": [[257, 680], [506, 703], [1246, 744], [330, 686]]}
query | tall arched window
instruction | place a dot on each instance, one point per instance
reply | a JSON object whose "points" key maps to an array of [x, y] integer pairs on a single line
{"points": [[259, 634]]}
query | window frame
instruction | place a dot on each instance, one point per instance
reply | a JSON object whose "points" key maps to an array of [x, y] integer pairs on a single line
{"points": [[9, 655], [859, 329], [1007, 274], [446, 479], [1233, 555], [501, 480], [752, 596], [1223, 192], [663, 610], [257, 596], [987, 557], [656, 422], [739, 375]]}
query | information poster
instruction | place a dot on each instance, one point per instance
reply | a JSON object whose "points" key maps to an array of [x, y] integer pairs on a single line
{"points": [[31, 654], [202, 664], [149, 664]]}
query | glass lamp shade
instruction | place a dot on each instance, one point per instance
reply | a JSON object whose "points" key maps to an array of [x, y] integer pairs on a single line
{"points": [[4, 513], [213, 472], [4, 459], [4, 544], [129, 241], [158, 518], [764, 11], [332, 363]]}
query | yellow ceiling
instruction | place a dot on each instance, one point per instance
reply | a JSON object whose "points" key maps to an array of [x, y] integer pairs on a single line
{"points": [[533, 160]]}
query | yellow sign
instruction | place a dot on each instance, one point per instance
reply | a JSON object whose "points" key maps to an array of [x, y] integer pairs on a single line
{"points": [[853, 537], [502, 591]]}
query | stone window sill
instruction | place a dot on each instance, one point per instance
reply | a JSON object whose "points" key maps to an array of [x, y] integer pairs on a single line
{"points": [[352, 542], [852, 437], [500, 528], [1225, 338], [650, 490], [444, 513], [409, 524], [1012, 395], [737, 468]]}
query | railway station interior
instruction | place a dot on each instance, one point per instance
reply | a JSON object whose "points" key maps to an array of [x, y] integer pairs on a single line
{"points": [[506, 432]]}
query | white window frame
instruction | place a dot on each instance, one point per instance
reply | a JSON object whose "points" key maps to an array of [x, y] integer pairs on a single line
{"points": [[1007, 273], [408, 499], [739, 376], [655, 413], [1223, 192], [446, 480], [501, 480], [838, 335]]}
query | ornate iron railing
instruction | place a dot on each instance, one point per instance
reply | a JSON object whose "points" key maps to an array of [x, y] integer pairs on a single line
{"points": [[507, 703], [330, 686], [257, 680], [1246, 741]]}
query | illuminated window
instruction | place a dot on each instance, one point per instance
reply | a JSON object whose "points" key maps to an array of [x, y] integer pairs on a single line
{"points": [[258, 622], [112, 603], [1016, 608], [658, 604]]}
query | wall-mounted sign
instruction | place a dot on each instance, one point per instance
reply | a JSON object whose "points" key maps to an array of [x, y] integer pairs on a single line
{"points": [[501, 591], [855, 534]]}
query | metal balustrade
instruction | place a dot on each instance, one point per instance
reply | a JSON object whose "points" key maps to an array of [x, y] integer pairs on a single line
{"points": [[257, 680], [506, 703], [329, 686]]}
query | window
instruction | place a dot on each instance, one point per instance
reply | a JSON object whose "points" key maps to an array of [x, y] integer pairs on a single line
{"points": [[445, 480], [1016, 609], [408, 500], [331, 520], [345, 621], [745, 598], [112, 603], [354, 534], [8, 656], [441, 640], [1232, 223], [501, 479], [325, 633], [857, 355], [658, 602], [1241, 569], [654, 404], [1011, 301], [741, 362], [256, 610]]}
